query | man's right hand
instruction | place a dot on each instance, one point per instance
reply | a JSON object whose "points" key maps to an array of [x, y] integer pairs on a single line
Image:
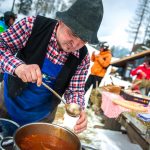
{"points": [[143, 75], [29, 73], [93, 53]]}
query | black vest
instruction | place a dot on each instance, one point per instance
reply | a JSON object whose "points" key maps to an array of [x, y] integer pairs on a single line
{"points": [[34, 53]]}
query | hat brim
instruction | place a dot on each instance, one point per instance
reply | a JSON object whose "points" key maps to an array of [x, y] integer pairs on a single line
{"points": [[76, 27]]}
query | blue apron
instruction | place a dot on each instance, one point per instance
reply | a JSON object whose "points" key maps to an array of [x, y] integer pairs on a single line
{"points": [[34, 103]]}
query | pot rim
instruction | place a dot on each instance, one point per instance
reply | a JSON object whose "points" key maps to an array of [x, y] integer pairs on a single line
{"points": [[8, 120], [38, 123]]}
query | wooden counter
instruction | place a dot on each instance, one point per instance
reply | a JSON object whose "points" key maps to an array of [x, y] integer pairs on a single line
{"points": [[136, 130]]}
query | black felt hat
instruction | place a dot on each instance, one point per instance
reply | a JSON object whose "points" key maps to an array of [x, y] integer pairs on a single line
{"points": [[84, 18]]}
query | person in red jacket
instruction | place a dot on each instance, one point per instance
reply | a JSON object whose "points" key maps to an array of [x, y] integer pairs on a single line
{"points": [[142, 74], [142, 71]]}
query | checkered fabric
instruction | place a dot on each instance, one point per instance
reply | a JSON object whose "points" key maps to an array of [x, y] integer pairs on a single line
{"points": [[16, 37]]}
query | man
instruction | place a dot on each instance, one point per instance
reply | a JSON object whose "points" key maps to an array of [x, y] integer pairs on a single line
{"points": [[55, 49], [6, 21], [142, 71], [142, 82], [98, 70]]}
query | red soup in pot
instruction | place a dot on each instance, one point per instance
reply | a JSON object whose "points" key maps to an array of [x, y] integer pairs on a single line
{"points": [[44, 142]]}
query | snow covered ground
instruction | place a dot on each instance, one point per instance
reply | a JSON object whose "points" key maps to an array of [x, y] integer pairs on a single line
{"points": [[99, 139]]}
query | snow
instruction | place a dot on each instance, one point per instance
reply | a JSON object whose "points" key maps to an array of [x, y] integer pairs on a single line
{"points": [[99, 139]]}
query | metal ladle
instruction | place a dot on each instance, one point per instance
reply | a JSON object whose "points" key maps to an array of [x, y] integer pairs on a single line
{"points": [[72, 109]]}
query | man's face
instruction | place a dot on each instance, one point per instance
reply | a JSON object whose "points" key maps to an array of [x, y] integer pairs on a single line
{"points": [[67, 40], [11, 21], [102, 49]]}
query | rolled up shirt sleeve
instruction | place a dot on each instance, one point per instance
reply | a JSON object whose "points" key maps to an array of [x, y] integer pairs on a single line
{"points": [[8, 62], [13, 40], [75, 92]]}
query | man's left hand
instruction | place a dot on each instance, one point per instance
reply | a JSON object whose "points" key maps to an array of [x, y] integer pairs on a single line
{"points": [[81, 124]]}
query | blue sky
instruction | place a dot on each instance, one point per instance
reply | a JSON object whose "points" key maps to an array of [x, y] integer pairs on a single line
{"points": [[117, 14]]}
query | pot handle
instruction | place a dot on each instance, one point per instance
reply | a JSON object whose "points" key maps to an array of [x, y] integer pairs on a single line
{"points": [[6, 141]]}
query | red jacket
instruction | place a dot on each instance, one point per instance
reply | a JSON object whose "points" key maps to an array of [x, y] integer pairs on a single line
{"points": [[142, 68]]}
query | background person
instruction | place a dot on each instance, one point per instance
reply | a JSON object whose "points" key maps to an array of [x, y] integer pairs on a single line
{"points": [[98, 70], [142, 73], [7, 20]]}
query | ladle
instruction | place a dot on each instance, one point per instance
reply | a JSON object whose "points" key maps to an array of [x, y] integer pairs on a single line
{"points": [[72, 109], [54, 92]]}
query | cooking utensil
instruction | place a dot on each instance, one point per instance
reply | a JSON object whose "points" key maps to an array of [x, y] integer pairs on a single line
{"points": [[72, 109], [54, 92], [52, 130], [7, 129]]}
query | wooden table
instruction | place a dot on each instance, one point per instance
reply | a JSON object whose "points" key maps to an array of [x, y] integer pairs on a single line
{"points": [[136, 130]]}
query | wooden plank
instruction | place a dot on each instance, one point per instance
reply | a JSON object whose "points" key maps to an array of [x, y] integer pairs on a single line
{"points": [[134, 135], [122, 62]]}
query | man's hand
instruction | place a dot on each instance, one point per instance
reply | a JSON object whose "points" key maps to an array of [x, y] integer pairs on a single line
{"points": [[29, 73], [143, 74], [81, 124], [93, 53]]}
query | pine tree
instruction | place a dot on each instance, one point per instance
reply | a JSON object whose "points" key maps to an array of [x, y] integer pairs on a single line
{"points": [[24, 6], [41, 6], [148, 42], [146, 39], [58, 6], [44, 7], [137, 22], [147, 25], [12, 9]]}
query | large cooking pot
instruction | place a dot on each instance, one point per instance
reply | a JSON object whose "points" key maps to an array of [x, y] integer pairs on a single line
{"points": [[7, 129], [59, 137]]}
